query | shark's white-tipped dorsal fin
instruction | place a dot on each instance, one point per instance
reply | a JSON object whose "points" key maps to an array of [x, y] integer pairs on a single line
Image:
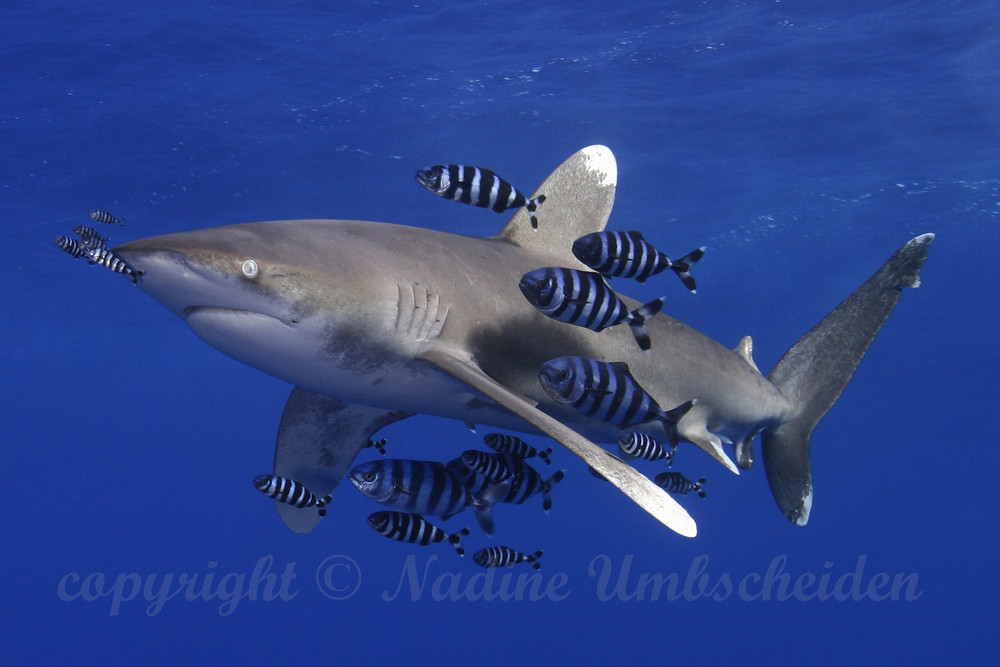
{"points": [[745, 349], [579, 195]]}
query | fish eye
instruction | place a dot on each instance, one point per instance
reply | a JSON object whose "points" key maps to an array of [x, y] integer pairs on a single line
{"points": [[249, 268], [563, 375], [368, 476]]}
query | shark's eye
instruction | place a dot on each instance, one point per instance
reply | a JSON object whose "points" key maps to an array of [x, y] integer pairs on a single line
{"points": [[250, 268]]}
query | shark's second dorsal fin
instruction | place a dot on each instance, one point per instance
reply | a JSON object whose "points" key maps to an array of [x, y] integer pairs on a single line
{"points": [[745, 350], [579, 195]]}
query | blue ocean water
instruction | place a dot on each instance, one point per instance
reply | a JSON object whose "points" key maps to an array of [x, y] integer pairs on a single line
{"points": [[801, 144]]}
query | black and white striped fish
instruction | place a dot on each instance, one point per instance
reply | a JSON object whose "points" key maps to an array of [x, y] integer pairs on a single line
{"points": [[101, 255], [105, 217], [628, 255], [379, 445], [584, 299], [476, 484], [413, 528], [91, 236], [674, 482], [511, 444], [423, 487], [527, 483], [501, 556], [75, 247], [289, 491], [494, 466], [608, 392], [476, 186], [641, 446]]}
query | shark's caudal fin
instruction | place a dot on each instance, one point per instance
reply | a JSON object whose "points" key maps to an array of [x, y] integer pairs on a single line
{"points": [[579, 195], [318, 439], [814, 372]]}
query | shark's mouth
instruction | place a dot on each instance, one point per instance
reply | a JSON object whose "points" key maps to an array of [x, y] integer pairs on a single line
{"points": [[218, 313]]}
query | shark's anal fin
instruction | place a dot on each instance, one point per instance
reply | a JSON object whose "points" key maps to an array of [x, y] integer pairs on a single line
{"points": [[318, 439], [647, 495]]}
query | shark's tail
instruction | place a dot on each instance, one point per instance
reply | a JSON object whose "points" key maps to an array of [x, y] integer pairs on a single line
{"points": [[815, 370]]}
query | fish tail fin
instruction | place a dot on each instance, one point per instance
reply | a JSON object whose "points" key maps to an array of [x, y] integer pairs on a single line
{"points": [[547, 489], [533, 559], [483, 505], [698, 487], [532, 207], [813, 373], [323, 502], [682, 267], [637, 321], [544, 455], [455, 539]]}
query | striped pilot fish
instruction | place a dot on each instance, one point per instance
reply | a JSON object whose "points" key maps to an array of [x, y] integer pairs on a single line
{"points": [[476, 186], [642, 446], [90, 236], [501, 556], [511, 444], [584, 299], [423, 487], [494, 466], [517, 489], [109, 260], [105, 217], [628, 255], [289, 491], [75, 247], [607, 392], [413, 528], [674, 482]]}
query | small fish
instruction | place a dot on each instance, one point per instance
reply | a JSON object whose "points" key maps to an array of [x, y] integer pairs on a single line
{"points": [[629, 255], [105, 217], [527, 483], [476, 484], [106, 258], [413, 528], [608, 392], [674, 482], [90, 236], [494, 466], [641, 446], [75, 247], [501, 556], [289, 491], [423, 487], [476, 186], [510, 444], [584, 299], [379, 445]]}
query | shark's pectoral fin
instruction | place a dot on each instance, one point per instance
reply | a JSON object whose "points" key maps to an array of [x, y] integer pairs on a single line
{"points": [[318, 439], [637, 487]]}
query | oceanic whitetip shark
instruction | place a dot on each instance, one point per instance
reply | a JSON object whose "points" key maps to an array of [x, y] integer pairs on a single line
{"points": [[374, 322]]}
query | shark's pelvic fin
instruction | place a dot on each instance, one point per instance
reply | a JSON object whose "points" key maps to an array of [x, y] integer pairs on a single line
{"points": [[579, 195], [647, 495], [318, 439], [815, 370]]}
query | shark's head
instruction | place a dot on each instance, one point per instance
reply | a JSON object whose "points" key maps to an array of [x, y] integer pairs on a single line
{"points": [[434, 178], [293, 298]]}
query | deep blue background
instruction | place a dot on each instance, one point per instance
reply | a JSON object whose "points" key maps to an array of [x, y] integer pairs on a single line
{"points": [[803, 145]]}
